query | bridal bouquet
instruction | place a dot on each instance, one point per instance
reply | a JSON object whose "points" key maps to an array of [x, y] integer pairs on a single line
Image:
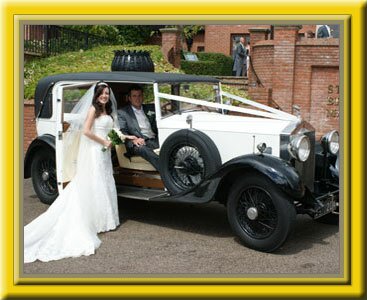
{"points": [[115, 136]]}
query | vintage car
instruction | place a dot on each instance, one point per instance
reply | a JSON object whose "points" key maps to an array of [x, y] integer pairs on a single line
{"points": [[262, 163]]}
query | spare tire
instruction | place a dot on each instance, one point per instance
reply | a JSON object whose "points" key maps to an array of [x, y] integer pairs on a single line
{"points": [[186, 158], [137, 61]]}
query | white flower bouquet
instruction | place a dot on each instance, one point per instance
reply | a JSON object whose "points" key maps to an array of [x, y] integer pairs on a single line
{"points": [[116, 137]]}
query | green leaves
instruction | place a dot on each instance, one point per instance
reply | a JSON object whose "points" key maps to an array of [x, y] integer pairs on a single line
{"points": [[114, 138]]}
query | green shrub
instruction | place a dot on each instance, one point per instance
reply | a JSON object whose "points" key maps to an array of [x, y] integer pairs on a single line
{"points": [[209, 64]]}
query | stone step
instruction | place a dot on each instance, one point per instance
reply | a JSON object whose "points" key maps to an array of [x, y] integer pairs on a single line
{"points": [[234, 81]]}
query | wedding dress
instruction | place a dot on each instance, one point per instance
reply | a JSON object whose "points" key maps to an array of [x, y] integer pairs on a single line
{"points": [[87, 206]]}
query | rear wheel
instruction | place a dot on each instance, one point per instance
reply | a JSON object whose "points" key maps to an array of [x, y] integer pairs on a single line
{"points": [[43, 172], [259, 213]]}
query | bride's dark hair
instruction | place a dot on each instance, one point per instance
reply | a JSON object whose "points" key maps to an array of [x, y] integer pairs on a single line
{"points": [[100, 86]]}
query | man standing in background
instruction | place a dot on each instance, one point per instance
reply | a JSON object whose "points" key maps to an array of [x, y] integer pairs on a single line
{"points": [[240, 58], [323, 31]]}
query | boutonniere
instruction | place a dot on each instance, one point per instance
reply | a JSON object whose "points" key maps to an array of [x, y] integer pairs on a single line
{"points": [[150, 113]]}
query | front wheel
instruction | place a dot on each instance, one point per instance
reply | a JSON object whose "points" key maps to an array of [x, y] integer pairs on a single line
{"points": [[259, 213], [43, 173]]}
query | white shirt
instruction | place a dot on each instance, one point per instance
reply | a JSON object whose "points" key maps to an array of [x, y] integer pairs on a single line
{"points": [[143, 122]]}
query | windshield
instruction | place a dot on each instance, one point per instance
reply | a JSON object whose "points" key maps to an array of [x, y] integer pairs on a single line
{"points": [[193, 90]]}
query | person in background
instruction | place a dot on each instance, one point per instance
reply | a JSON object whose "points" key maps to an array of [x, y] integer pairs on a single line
{"points": [[247, 57], [240, 58], [323, 31]]}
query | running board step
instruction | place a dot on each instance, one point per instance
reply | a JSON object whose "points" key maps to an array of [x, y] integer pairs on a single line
{"points": [[146, 194]]}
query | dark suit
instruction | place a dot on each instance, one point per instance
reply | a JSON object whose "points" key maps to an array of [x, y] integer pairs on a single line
{"points": [[239, 60], [129, 125], [323, 32]]}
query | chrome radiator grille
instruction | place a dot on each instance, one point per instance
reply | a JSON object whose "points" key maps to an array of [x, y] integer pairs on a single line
{"points": [[305, 169]]}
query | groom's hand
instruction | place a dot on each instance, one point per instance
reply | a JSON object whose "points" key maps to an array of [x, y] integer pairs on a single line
{"points": [[139, 142]]}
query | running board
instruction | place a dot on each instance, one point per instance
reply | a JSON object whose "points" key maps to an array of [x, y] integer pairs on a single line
{"points": [[139, 193]]}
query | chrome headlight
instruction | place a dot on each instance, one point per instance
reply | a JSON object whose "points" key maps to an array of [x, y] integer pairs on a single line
{"points": [[330, 142], [300, 147]]}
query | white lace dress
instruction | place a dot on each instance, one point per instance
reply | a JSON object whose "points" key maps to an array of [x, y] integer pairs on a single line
{"points": [[87, 206]]}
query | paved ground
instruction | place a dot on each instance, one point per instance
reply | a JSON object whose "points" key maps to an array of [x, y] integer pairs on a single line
{"points": [[164, 239]]}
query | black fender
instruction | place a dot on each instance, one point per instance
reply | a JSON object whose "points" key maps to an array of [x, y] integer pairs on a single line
{"points": [[43, 141], [217, 186], [280, 172]]}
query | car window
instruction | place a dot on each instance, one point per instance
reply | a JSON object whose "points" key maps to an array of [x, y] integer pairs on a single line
{"points": [[71, 97]]}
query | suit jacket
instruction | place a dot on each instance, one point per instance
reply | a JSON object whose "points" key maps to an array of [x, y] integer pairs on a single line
{"points": [[129, 124], [323, 32], [239, 57]]}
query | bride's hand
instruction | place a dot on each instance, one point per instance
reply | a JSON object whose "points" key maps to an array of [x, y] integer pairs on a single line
{"points": [[107, 144]]}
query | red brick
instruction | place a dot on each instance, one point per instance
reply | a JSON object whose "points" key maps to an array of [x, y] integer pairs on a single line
{"points": [[298, 71]]}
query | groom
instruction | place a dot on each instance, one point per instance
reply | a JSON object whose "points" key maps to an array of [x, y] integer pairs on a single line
{"points": [[133, 120]]}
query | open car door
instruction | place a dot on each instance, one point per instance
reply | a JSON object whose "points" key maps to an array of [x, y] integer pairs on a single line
{"points": [[65, 96]]}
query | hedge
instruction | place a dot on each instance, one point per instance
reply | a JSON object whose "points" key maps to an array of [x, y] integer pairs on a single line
{"points": [[209, 64]]}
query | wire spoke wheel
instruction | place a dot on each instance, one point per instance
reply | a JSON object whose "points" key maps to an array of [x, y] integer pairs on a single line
{"points": [[256, 213], [259, 212], [186, 166], [44, 176], [47, 175]]}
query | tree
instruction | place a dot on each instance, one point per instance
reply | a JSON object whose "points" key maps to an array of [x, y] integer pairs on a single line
{"points": [[110, 32], [136, 34]]}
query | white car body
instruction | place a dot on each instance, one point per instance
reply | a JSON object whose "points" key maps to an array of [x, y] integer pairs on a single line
{"points": [[233, 135]]}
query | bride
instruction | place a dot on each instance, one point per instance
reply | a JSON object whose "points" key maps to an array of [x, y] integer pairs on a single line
{"points": [[88, 204]]}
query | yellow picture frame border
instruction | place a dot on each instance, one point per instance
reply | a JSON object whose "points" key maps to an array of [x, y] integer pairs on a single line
{"points": [[351, 284]]}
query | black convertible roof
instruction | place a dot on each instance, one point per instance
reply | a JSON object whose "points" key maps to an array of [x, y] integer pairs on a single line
{"points": [[43, 86], [129, 77]]}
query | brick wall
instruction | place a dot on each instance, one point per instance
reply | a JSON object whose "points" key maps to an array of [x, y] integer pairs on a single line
{"points": [[313, 53], [29, 130], [302, 71], [198, 41], [324, 108]]}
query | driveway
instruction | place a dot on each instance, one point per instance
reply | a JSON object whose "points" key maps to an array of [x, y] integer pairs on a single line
{"points": [[168, 239]]}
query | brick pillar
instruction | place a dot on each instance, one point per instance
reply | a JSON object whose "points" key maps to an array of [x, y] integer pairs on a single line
{"points": [[285, 37], [255, 90], [256, 35], [172, 45]]}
